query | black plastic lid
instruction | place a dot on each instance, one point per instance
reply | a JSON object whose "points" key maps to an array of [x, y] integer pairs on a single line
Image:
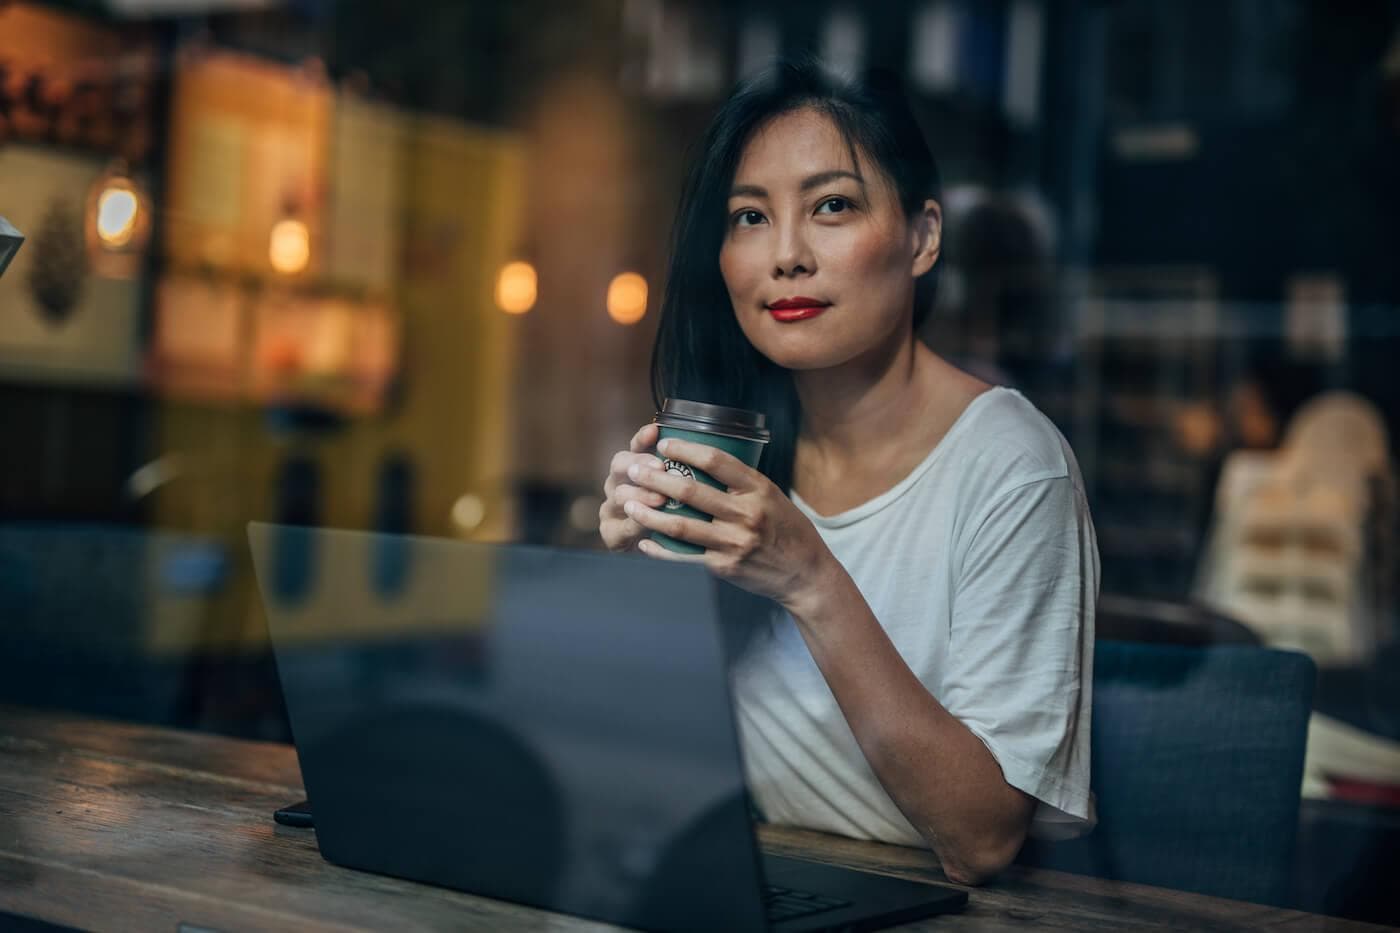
{"points": [[714, 419]]}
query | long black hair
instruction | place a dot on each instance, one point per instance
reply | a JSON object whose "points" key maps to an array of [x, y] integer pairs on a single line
{"points": [[700, 351]]}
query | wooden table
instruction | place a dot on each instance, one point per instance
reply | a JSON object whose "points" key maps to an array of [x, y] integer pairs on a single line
{"points": [[118, 826]]}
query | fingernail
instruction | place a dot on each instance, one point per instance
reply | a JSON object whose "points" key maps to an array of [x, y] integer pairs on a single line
{"points": [[657, 464], [664, 445], [634, 471], [630, 507]]}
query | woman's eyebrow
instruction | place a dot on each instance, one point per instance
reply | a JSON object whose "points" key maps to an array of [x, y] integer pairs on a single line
{"points": [[822, 178], [808, 183]]}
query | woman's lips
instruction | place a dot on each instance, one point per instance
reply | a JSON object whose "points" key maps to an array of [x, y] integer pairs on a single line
{"points": [[796, 309], [787, 315]]}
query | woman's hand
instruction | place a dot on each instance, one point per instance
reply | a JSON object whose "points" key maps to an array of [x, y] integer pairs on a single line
{"points": [[758, 539], [619, 532]]}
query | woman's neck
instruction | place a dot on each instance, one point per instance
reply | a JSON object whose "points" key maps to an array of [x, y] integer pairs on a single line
{"points": [[851, 407], [873, 420]]}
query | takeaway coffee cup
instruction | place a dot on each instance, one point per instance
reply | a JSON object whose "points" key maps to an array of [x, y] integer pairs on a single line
{"points": [[733, 430]]}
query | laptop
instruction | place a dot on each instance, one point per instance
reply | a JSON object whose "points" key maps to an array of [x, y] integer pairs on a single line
{"points": [[548, 727]]}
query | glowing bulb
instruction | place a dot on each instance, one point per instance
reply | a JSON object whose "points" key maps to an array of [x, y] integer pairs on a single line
{"points": [[516, 287], [583, 514], [468, 512], [117, 209], [289, 249], [627, 298]]}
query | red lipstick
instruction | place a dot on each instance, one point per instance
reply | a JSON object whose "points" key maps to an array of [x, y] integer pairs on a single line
{"points": [[797, 309]]}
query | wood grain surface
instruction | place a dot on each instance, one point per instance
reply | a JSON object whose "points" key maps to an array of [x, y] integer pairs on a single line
{"points": [[114, 826]]}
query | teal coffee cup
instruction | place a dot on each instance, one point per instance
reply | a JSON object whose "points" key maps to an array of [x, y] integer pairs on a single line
{"points": [[733, 430]]}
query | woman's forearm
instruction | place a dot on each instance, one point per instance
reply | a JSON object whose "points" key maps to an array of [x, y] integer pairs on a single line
{"points": [[936, 770]]}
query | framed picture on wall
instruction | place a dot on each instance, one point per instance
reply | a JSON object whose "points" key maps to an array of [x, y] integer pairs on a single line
{"points": [[59, 321]]}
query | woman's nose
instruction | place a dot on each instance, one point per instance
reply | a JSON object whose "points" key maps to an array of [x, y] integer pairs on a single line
{"points": [[792, 256]]}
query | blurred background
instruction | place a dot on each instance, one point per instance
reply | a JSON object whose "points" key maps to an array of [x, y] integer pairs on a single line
{"points": [[397, 267]]}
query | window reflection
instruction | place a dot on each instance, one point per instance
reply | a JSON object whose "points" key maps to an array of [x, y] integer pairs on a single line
{"points": [[364, 266]]}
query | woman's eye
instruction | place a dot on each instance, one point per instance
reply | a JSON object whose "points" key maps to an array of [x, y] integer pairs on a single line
{"points": [[833, 206], [747, 218]]}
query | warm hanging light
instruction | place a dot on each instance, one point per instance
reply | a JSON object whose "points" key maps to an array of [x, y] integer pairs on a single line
{"points": [[516, 287], [468, 512], [627, 298], [117, 212], [289, 248], [118, 223]]}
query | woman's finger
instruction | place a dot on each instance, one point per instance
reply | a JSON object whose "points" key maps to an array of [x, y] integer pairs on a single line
{"points": [[651, 549], [617, 470], [627, 493], [620, 534], [645, 439], [680, 527], [624, 459], [692, 492], [613, 505], [724, 467]]}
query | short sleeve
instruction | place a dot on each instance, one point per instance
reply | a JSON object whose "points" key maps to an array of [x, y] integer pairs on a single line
{"points": [[1020, 656]]}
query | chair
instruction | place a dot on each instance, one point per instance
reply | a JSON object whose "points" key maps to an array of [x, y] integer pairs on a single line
{"points": [[1197, 766], [1339, 432], [103, 618], [1301, 543], [1123, 618]]}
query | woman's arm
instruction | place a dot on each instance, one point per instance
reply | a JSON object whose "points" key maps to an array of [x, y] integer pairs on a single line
{"points": [[939, 774]]}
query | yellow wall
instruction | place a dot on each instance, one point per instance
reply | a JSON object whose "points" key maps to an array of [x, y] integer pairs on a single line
{"points": [[460, 206], [248, 144]]}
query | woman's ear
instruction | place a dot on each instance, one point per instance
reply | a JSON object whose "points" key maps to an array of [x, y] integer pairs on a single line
{"points": [[928, 237]]}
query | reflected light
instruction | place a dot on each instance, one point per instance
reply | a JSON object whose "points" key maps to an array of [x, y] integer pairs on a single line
{"points": [[289, 249], [583, 513], [627, 298], [117, 209], [468, 512], [151, 476], [516, 287]]}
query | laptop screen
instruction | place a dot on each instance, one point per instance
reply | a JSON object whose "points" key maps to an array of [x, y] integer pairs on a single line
{"points": [[531, 724]]}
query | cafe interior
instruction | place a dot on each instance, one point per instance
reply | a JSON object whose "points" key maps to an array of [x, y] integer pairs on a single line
{"points": [[397, 269]]}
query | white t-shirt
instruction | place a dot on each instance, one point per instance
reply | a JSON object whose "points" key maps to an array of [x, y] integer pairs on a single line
{"points": [[982, 566]]}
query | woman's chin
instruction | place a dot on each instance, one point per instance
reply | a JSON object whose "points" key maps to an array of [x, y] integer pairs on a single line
{"points": [[800, 355]]}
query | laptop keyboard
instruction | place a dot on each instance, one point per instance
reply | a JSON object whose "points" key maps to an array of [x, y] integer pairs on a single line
{"points": [[787, 904]]}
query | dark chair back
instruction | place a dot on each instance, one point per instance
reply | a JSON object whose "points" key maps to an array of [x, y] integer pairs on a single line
{"points": [[1197, 767], [1122, 618], [104, 619]]}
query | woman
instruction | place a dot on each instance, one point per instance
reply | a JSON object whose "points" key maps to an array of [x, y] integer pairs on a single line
{"points": [[926, 534]]}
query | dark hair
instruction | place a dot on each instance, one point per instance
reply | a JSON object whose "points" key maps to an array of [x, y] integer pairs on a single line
{"points": [[700, 351]]}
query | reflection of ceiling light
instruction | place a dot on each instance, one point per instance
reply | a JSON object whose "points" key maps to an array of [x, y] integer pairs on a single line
{"points": [[117, 218], [468, 512], [1164, 142], [843, 45], [627, 298], [516, 287], [289, 249], [117, 210], [583, 513]]}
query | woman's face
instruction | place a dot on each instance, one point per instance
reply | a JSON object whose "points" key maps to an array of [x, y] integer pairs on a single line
{"points": [[818, 255]]}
